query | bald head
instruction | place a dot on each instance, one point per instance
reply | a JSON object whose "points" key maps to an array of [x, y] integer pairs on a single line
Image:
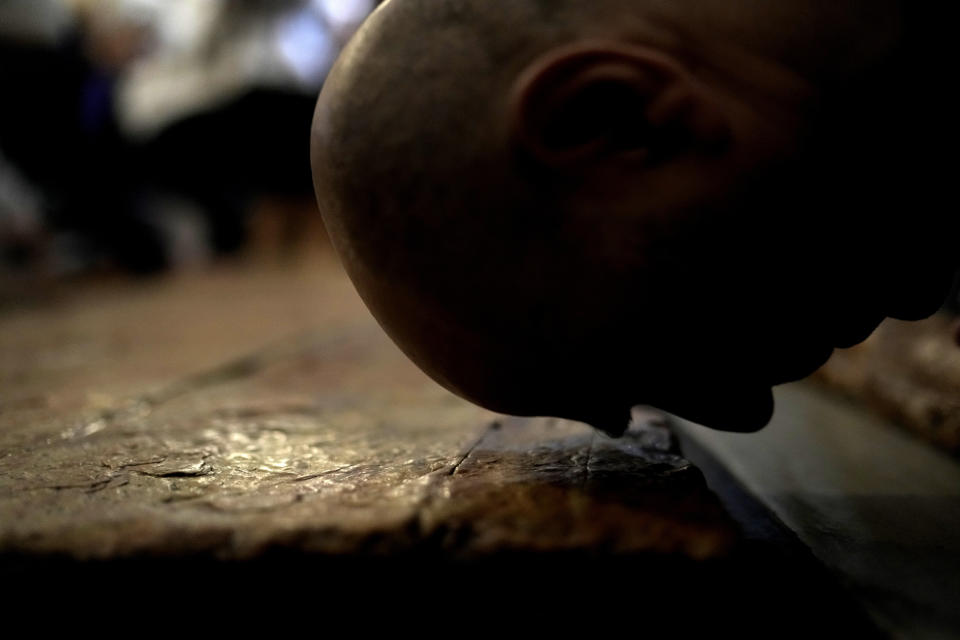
{"points": [[538, 199]]}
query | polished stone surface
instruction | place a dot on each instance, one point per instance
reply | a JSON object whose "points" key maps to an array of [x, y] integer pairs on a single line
{"points": [[243, 411], [876, 505]]}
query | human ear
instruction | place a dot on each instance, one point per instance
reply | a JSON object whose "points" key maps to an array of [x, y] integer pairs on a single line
{"points": [[597, 101]]}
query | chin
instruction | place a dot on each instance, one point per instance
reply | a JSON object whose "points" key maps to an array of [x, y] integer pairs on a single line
{"points": [[741, 410], [802, 366]]}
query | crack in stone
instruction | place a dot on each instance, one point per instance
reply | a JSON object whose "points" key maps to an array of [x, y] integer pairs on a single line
{"points": [[87, 486], [130, 465], [418, 524], [243, 367], [493, 426], [589, 458], [232, 371], [321, 474], [122, 480], [185, 470]]}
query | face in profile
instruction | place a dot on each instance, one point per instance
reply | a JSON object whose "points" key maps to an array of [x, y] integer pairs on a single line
{"points": [[610, 222], [757, 290]]}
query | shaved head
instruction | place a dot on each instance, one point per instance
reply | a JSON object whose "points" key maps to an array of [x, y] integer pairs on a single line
{"points": [[567, 207]]}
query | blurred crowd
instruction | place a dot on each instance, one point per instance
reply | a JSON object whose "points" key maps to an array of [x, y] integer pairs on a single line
{"points": [[140, 134]]}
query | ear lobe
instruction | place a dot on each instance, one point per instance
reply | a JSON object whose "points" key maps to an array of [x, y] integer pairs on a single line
{"points": [[595, 101]]}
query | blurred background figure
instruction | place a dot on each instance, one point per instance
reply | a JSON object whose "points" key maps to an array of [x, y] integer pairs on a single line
{"points": [[144, 134]]}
